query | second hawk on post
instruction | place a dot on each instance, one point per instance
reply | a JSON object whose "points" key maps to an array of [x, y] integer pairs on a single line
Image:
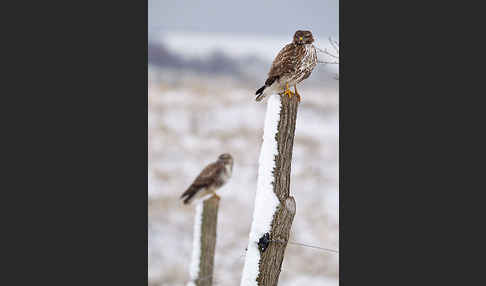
{"points": [[211, 178]]}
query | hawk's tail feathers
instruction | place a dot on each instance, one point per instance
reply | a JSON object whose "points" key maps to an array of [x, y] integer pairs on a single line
{"points": [[259, 93], [189, 199], [260, 90], [189, 194]]}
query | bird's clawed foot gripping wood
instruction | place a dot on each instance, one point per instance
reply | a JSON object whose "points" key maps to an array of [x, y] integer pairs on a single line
{"points": [[289, 93]]}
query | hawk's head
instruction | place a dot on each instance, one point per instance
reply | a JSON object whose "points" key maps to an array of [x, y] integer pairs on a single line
{"points": [[303, 37], [226, 158]]}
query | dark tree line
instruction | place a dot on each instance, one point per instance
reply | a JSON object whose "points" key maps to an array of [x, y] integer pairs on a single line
{"points": [[215, 63]]}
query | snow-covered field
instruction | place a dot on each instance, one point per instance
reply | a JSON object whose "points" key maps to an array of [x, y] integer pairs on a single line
{"points": [[192, 119]]}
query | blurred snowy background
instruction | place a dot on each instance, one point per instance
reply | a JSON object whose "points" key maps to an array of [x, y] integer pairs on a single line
{"points": [[204, 67]]}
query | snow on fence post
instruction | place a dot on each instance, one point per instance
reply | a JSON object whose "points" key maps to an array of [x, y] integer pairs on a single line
{"points": [[274, 207], [204, 242]]}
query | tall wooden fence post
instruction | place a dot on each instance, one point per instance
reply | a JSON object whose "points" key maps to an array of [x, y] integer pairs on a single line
{"points": [[204, 242], [274, 207]]}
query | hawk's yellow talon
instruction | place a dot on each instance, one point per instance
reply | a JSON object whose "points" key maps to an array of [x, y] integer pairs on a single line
{"points": [[287, 91]]}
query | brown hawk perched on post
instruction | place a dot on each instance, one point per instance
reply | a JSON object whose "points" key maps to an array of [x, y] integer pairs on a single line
{"points": [[211, 178], [293, 64]]}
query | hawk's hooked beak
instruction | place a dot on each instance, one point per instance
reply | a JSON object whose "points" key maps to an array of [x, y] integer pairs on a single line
{"points": [[300, 38]]}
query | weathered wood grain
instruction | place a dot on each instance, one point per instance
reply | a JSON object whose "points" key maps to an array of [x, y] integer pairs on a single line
{"points": [[271, 259], [208, 241]]}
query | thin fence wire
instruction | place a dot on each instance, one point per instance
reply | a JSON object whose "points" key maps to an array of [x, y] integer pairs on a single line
{"points": [[280, 241], [307, 245], [301, 244], [313, 246]]}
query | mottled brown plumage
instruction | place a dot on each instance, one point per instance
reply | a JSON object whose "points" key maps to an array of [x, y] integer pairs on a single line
{"points": [[211, 178], [293, 64]]}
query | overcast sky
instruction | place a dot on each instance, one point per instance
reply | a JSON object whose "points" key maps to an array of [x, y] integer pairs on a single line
{"points": [[282, 17]]}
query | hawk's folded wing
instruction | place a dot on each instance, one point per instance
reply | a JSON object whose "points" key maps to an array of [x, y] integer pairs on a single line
{"points": [[207, 176], [284, 62]]}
